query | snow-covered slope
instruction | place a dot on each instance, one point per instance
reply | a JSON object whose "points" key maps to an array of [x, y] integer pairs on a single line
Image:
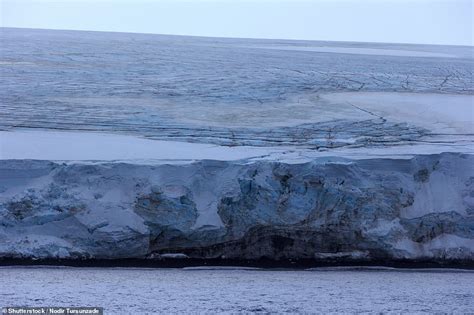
{"points": [[419, 208]]}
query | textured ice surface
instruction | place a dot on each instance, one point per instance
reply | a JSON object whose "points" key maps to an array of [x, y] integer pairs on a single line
{"points": [[150, 291], [380, 51], [222, 91]]}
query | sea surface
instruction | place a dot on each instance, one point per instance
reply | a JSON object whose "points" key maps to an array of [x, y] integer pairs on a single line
{"points": [[228, 290]]}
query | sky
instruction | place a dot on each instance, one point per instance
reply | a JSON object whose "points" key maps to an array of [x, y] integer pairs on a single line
{"points": [[448, 22]]}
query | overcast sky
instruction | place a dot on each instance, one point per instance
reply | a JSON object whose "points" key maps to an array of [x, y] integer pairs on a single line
{"points": [[401, 21]]}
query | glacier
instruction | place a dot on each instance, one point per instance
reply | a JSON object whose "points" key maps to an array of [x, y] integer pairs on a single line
{"points": [[151, 147]]}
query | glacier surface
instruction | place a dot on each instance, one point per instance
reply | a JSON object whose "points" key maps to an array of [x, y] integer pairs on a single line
{"points": [[118, 146]]}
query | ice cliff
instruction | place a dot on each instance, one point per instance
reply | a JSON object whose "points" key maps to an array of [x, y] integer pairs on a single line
{"points": [[118, 145], [369, 209]]}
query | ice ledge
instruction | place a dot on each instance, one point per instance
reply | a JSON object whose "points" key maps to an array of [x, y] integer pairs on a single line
{"points": [[86, 147]]}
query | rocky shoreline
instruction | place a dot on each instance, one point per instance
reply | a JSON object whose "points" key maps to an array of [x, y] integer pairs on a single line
{"points": [[298, 264]]}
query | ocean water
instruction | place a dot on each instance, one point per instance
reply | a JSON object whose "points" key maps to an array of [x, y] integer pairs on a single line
{"points": [[150, 291]]}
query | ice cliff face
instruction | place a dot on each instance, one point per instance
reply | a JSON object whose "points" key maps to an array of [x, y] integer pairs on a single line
{"points": [[419, 208]]}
